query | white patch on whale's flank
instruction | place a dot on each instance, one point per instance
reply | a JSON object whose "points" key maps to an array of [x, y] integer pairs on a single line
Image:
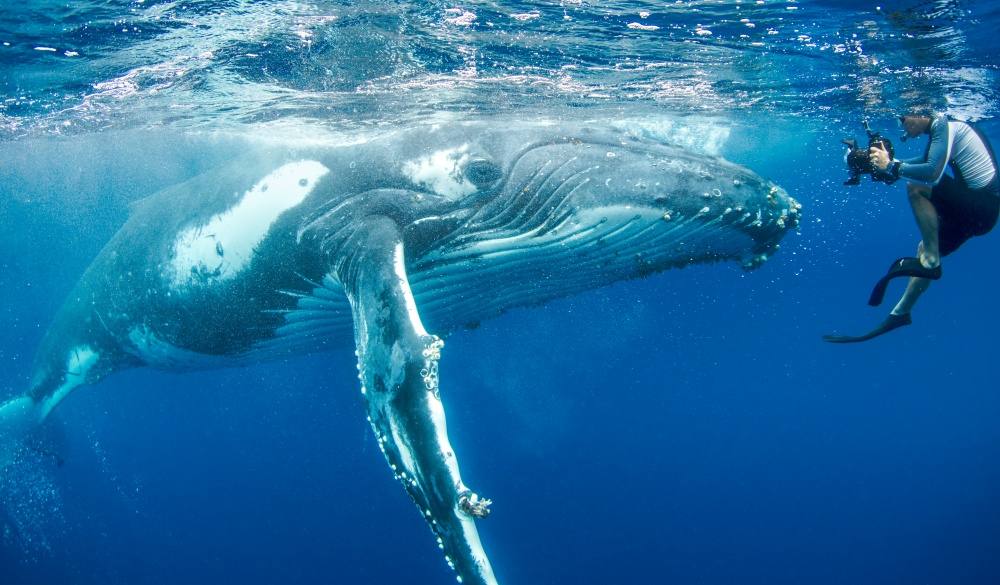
{"points": [[441, 172], [79, 362], [219, 249]]}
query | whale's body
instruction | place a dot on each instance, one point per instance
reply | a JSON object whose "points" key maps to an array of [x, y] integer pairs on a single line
{"points": [[388, 243]]}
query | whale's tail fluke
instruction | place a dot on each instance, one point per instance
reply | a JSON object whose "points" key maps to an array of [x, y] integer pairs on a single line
{"points": [[19, 418], [58, 371]]}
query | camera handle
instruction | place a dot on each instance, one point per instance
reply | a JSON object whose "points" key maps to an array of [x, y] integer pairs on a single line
{"points": [[864, 122]]}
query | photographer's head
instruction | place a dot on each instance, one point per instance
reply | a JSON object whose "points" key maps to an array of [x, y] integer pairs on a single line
{"points": [[915, 123]]}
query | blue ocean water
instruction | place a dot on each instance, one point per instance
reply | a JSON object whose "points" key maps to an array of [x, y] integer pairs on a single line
{"points": [[687, 428]]}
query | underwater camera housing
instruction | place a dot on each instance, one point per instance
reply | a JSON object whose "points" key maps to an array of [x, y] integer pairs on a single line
{"points": [[858, 162]]}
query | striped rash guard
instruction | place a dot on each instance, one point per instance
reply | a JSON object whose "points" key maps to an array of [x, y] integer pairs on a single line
{"points": [[956, 143]]}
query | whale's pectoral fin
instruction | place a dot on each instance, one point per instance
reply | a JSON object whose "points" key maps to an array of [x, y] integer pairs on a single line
{"points": [[398, 364]]}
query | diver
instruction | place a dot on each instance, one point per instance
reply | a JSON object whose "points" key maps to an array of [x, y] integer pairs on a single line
{"points": [[948, 209]]}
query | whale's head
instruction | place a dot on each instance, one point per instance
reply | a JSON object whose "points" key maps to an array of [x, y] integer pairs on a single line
{"points": [[562, 209]]}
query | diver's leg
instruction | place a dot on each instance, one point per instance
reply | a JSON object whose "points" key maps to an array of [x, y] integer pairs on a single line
{"points": [[914, 288], [927, 221]]}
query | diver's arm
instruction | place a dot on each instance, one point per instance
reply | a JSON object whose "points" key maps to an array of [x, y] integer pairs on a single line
{"points": [[930, 168]]}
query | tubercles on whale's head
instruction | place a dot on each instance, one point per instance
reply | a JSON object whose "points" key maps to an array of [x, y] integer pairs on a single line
{"points": [[622, 208]]}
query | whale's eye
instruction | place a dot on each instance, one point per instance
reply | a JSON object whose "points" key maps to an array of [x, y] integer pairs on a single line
{"points": [[482, 173]]}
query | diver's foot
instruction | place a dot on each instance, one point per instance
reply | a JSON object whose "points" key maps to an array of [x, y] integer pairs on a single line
{"points": [[903, 267], [929, 262], [915, 267], [892, 322]]}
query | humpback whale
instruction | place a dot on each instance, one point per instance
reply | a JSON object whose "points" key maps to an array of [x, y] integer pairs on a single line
{"points": [[391, 243]]}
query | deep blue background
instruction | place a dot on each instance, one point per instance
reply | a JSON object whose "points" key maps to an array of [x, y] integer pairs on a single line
{"points": [[686, 428]]}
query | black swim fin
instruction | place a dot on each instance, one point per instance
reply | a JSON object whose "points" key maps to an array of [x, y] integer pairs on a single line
{"points": [[902, 267], [892, 322]]}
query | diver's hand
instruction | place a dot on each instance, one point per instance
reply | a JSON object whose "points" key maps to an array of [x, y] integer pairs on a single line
{"points": [[879, 157]]}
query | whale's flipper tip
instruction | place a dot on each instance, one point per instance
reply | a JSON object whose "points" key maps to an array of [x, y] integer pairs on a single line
{"points": [[18, 420], [892, 322]]}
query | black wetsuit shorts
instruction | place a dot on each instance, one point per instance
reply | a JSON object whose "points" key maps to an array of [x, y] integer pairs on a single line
{"points": [[964, 212]]}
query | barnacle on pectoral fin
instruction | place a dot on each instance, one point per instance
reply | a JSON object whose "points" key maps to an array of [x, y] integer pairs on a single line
{"points": [[757, 261], [790, 217], [472, 505]]}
